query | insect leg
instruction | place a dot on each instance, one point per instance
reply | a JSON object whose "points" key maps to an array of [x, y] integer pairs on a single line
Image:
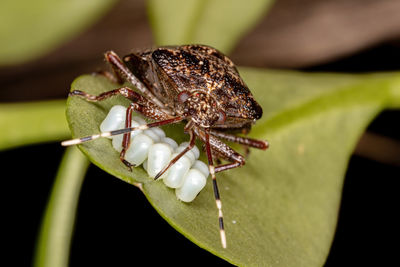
{"points": [[222, 150], [260, 144], [229, 154], [124, 91], [216, 191], [142, 104], [228, 166], [118, 66], [126, 140], [174, 160]]}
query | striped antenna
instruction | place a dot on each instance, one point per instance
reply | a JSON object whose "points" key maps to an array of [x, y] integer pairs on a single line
{"points": [[104, 134], [118, 132], [216, 192]]}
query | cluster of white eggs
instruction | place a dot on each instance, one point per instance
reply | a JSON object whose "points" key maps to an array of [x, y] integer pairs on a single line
{"points": [[154, 150]]}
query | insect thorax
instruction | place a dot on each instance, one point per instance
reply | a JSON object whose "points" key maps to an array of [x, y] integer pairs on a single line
{"points": [[202, 109], [169, 71]]}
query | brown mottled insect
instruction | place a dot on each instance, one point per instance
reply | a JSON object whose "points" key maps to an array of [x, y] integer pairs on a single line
{"points": [[192, 83]]}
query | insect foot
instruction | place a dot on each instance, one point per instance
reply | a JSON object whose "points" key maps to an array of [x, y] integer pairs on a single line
{"points": [[152, 149]]}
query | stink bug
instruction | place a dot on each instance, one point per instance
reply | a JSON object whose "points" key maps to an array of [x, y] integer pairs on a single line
{"points": [[196, 84]]}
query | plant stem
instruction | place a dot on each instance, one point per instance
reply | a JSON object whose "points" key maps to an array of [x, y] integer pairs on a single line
{"points": [[57, 226]]}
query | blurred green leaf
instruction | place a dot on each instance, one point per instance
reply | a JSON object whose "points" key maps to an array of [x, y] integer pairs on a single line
{"points": [[58, 222], [28, 123], [29, 29], [280, 208], [217, 23]]}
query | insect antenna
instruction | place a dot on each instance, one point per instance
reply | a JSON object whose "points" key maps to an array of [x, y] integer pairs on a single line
{"points": [[216, 191], [120, 131]]}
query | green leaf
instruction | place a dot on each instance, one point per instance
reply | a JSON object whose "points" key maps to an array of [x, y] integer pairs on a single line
{"points": [[217, 23], [281, 207], [28, 123], [29, 29], [57, 226]]}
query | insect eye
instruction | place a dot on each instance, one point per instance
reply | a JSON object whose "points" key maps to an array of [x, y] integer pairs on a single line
{"points": [[221, 118], [183, 96]]}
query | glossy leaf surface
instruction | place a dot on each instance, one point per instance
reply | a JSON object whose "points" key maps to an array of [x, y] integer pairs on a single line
{"points": [[280, 208]]}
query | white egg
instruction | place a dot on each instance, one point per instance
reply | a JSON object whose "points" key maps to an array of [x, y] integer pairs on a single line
{"points": [[189, 154], [201, 166], [194, 149], [159, 132], [193, 184], [159, 156], [184, 144], [155, 151], [196, 152], [139, 120], [114, 119], [152, 135], [177, 172], [170, 141], [117, 142], [139, 149]]}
